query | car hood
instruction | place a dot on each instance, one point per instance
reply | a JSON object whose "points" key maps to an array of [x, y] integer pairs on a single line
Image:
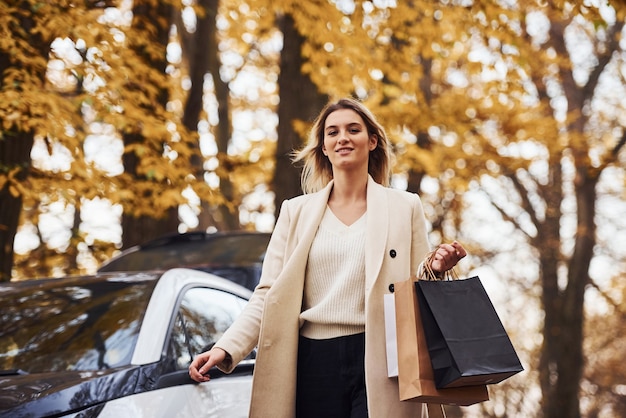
{"points": [[49, 394]]}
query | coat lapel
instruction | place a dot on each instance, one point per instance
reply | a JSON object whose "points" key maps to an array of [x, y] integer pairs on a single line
{"points": [[307, 221], [314, 210], [306, 218]]}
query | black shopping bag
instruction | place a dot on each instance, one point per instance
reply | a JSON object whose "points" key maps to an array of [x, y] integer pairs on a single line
{"points": [[467, 342]]}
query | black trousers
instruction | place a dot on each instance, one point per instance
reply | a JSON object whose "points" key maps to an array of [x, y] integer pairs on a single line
{"points": [[331, 378]]}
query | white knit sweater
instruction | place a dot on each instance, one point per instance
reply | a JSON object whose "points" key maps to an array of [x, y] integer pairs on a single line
{"points": [[334, 287]]}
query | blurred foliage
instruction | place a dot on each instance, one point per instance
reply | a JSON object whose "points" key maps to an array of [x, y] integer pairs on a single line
{"points": [[70, 75], [516, 103]]}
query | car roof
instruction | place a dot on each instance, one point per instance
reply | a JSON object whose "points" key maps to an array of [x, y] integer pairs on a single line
{"points": [[30, 285], [175, 279], [235, 255], [193, 250]]}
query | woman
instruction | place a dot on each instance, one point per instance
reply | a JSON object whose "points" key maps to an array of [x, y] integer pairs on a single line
{"points": [[317, 314]]}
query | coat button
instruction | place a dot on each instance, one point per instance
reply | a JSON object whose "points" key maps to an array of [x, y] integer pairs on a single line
{"points": [[392, 253]]}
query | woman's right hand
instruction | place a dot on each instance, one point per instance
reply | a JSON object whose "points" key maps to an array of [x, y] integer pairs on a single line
{"points": [[200, 366], [447, 256]]}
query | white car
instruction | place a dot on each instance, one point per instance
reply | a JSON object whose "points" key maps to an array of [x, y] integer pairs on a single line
{"points": [[118, 345]]}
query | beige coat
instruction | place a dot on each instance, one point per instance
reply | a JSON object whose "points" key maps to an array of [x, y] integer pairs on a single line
{"points": [[396, 242]]}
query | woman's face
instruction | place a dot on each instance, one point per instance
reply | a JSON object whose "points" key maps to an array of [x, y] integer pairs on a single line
{"points": [[347, 143]]}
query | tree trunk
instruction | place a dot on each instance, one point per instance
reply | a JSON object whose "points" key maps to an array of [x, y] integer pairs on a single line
{"points": [[15, 148], [139, 229], [416, 174], [548, 245], [15, 160], [563, 362], [223, 217], [202, 52], [299, 100]]}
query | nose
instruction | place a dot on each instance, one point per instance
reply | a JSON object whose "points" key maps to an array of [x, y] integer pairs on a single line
{"points": [[343, 137]]}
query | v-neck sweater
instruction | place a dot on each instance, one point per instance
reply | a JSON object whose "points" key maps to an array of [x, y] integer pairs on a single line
{"points": [[334, 286]]}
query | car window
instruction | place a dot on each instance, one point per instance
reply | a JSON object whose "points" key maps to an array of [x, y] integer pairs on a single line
{"points": [[203, 316], [83, 326]]}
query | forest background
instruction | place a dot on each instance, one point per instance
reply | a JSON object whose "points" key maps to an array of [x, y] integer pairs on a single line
{"points": [[123, 121]]}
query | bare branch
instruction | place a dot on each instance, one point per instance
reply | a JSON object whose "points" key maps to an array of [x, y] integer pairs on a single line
{"points": [[524, 195], [620, 144], [505, 215], [615, 304], [604, 59]]}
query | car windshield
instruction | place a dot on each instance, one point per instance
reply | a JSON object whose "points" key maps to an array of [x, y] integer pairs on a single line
{"points": [[69, 324]]}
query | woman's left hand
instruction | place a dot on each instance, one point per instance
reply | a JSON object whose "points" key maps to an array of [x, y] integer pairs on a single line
{"points": [[446, 256]]}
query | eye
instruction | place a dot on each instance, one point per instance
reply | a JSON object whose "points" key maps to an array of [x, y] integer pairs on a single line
{"points": [[331, 133]]}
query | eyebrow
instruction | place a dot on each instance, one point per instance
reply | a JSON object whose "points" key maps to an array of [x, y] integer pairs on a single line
{"points": [[348, 124]]}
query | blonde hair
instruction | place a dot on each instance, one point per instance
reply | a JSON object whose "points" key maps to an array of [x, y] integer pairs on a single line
{"points": [[317, 170]]}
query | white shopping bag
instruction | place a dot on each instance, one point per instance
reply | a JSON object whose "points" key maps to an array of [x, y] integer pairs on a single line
{"points": [[390, 334]]}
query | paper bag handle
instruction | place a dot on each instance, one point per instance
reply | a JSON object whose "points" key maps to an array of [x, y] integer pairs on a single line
{"points": [[427, 273]]}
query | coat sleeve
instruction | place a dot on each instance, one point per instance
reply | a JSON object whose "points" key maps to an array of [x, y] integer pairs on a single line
{"points": [[243, 335]]}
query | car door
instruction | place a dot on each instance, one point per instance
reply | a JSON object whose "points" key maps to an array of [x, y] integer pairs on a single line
{"points": [[201, 317]]}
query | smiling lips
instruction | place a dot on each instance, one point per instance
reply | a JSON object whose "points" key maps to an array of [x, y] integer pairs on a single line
{"points": [[343, 150]]}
